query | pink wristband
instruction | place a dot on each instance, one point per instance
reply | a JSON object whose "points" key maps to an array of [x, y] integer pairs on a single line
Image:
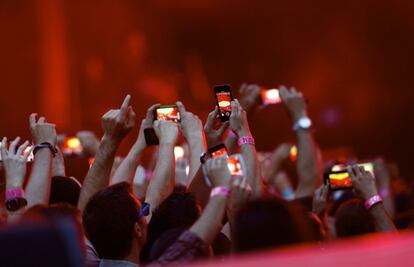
{"points": [[246, 140], [14, 193], [372, 201], [220, 191]]}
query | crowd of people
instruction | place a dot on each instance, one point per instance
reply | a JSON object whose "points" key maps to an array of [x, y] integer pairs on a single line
{"points": [[178, 208]]}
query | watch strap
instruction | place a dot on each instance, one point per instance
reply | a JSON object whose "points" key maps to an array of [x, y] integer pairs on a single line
{"points": [[45, 145]]}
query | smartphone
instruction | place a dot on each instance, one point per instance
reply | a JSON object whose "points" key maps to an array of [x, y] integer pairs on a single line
{"points": [[338, 180], [236, 165], [168, 113], [72, 145], [218, 151], [368, 166], [223, 101], [270, 96], [30, 158], [151, 137]]}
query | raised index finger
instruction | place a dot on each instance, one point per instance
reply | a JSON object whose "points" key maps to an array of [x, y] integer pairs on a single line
{"points": [[125, 104], [32, 119]]}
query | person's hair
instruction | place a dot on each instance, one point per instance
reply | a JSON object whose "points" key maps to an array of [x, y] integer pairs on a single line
{"points": [[270, 222], [109, 219], [353, 219], [64, 190], [164, 242], [178, 210]]}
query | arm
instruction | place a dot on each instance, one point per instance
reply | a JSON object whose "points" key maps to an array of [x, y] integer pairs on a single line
{"points": [[126, 171], [38, 187], [192, 130], [116, 124], [162, 183], [209, 224], [58, 164], [307, 164], [383, 178], [15, 170], [364, 184], [240, 125]]}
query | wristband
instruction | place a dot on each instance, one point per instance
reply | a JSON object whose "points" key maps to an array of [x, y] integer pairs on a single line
{"points": [[14, 193], [220, 191], [246, 140], [369, 203], [45, 145]]}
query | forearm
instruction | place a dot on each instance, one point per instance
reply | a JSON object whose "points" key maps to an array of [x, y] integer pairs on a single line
{"points": [[209, 224], [99, 174], [197, 145], [382, 220], [307, 165], [38, 187], [162, 183], [252, 168], [126, 171], [231, 143]]}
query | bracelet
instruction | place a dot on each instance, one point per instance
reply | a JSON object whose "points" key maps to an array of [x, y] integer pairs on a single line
{"points": [[45, 145], [246, 140], [220, 191], [14, 193], [369, 203]]}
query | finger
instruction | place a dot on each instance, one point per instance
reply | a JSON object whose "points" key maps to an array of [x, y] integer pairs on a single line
{"points": [[324, 191], [151, 110], [4, 148], [237, 181], [283, 92], [41, 120], [12, 147], [124, 106], [27, 154], [210, 120], [181, 107], [32, 120], [242, 89], [22, 148]]}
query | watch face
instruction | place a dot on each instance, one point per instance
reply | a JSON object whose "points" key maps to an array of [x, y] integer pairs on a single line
{"points": [[305, 123], [15, 204]]}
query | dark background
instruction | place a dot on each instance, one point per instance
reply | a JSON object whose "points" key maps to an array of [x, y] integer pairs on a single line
{"points": [[73, 60]]}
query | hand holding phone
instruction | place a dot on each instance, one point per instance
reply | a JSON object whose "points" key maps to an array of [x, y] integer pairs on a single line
{"points": [[223, 100]]}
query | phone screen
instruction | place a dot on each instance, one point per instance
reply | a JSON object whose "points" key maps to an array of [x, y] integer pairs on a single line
{"points": [[218, 151], [72, 145], [223, 99], [270, 96], [168, 113], [338, 180], [235, 166]]}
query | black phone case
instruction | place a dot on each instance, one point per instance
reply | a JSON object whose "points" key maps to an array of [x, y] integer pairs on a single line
{"points": [[150, 137], [216, 90]]}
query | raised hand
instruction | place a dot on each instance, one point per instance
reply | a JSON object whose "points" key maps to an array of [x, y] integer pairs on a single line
{"points": [[191, 125], [14, 162], [294, 101], [363, 182], [117, 123], [214, 132], [166, 131], [238, 119], [89, 142], [147, 122], [249, 96], [240, 193], [218, 171], [42, 132]]}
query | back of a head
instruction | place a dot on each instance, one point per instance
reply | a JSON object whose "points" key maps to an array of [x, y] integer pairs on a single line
{"points": [[353, 219], [267, 223], [64, 190], [109, 219]]}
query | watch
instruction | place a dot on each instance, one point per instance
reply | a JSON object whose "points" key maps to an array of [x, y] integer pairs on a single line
{"points": [[45, 145], [303, 123], [16, 203]]}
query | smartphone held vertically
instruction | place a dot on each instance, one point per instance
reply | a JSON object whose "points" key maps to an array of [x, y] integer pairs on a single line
{"points": [[223, 100]]}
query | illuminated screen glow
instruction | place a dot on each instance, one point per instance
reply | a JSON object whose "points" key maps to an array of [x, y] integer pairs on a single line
{"points": [[224, 103], [271, 96], [340, 180], [168, 114], [219, 153], [235, 167]]}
